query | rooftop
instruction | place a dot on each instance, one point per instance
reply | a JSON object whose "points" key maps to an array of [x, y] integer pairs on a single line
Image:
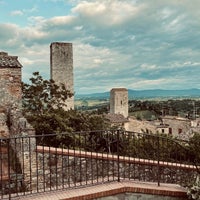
{"points": [[7, 61], [116, 118], [118, 89]]}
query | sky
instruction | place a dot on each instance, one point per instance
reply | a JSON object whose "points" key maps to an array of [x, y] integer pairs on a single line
{"points": [[136, 44]]}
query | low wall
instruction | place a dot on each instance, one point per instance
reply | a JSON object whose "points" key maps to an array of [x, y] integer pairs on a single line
{"points": [[69, 168], [53, 168], [139, 196]]}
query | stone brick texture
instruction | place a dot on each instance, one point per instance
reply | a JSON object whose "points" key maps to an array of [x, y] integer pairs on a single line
{"points": [[119, 101], [13, 124], [10, 86], [62, 67]]}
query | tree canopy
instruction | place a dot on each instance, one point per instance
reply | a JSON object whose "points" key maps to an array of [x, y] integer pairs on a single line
{"points": [[43, 102], [43, 95]]}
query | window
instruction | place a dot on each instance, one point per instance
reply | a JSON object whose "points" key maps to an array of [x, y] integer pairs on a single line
{"points": [[179, 131]]}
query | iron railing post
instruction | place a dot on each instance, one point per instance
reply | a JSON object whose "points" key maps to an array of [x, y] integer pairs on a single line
{"points": [[158, 160], [118, 165], [1, 170], [9, 166]]}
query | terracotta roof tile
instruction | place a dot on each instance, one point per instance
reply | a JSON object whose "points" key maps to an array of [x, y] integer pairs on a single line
{"points": [[9, 61], [118, 89], [116, 118]]}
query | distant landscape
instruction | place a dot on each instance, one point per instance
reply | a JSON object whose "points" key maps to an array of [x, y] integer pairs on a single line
{"points": [[146, 94]]}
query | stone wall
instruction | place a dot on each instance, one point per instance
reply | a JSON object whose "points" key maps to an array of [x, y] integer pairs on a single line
{"points": [[10, 89], [17, 164], [4, 131], [10, 95], [56, 168], [49, 168], [140, 196], [10, 86], [13, 126]]}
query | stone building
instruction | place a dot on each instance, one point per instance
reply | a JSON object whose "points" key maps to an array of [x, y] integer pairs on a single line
{"points": [[10, 89], [10, 80], [61, 60], [11, 119], [176, 126], [12, 122], [119, 101]]}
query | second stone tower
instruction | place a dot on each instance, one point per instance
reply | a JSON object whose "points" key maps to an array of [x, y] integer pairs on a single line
{"points": [[61, 60]]}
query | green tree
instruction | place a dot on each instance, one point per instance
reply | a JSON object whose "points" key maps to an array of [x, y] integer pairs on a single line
{"points": [[194, 144], [43, 95], [194, 188], [43, 103]]}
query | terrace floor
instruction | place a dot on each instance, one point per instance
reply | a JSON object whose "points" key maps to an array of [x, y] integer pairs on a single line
{"points": [[109, 189]]}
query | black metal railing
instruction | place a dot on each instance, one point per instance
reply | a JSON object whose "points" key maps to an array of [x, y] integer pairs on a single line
{"points": [[33, 164]]}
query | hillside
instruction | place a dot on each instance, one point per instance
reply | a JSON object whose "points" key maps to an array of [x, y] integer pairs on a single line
{"points": [[156, 93]]}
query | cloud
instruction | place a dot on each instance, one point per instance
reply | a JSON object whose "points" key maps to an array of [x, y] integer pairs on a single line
{"points": [[31, 10], [61, 21], [17, 13], [54, 1], [24, 11], [107, 13], [8, 36], [135, 44]]}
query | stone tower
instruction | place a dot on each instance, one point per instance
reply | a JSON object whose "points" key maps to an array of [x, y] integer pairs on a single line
{"points": [[119, 101], [61, 60]]}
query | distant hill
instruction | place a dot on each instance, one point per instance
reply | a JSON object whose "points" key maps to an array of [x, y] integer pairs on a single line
{"points": [[165, 93], [103, 95], [155, 93]]}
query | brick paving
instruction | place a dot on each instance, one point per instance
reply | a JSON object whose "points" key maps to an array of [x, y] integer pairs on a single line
{"points": [[108, 189]]}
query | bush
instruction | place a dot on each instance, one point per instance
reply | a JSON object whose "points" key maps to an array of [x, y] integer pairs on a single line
{"points": [[194, 191]]}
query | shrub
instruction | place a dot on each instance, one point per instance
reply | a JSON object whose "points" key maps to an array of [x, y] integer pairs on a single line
{"points": [[194, 191]]}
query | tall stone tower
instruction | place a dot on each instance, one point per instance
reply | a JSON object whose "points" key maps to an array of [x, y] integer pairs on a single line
{"points": [[61, 60], [119, 101]]}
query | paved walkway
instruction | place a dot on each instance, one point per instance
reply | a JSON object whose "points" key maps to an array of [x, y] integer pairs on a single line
{"points": [[108, 189]]}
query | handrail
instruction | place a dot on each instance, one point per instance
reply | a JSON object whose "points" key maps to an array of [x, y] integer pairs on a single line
{"points": [[37, 163]]}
